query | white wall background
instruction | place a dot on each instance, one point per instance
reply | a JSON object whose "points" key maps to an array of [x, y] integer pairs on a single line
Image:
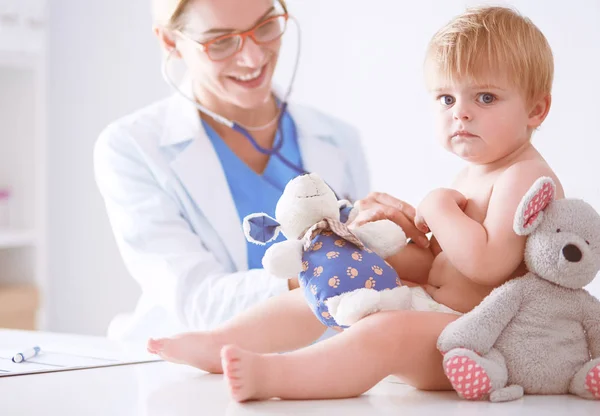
{"points": [[361, 61], [103, 63]]}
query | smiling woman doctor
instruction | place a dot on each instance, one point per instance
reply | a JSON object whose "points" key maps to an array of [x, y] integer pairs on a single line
{"points": [[177, 179]]}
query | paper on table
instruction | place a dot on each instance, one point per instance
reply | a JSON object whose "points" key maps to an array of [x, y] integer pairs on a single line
{"points": [[61, 352]]}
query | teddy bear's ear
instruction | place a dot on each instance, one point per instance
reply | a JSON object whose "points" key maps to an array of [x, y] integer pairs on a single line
{"points": [[530, 210], [261, 228]]}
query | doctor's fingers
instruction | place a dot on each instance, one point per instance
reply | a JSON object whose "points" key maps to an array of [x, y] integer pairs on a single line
{"points": [[381, 198], [384, 212]]}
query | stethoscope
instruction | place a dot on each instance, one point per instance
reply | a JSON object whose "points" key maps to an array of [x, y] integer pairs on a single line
{"points": [[245, 130]]}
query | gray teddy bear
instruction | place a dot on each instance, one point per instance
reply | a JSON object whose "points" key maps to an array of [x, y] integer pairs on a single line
{"points": [[540, 333]]}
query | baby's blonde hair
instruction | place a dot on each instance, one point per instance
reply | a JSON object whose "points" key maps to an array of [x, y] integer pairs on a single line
{"points": [[171, 13], [487, 42]]}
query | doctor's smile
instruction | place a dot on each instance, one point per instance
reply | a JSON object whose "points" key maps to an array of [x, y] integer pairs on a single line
{"points": [[251, 80]]}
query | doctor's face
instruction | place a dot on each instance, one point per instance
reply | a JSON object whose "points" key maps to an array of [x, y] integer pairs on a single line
{"points": [[221, 72]]}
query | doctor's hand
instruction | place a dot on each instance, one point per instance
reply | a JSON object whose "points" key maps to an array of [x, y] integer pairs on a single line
{"points": [[381, 206]]}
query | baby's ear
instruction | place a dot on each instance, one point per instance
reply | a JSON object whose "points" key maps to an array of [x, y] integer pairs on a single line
{"points": [[260, 228], [531, 208]]}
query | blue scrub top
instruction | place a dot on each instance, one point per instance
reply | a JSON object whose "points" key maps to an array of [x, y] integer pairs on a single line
{"points": [[259, 193]]}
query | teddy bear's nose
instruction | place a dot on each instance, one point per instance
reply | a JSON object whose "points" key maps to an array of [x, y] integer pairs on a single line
{"points": [[572, 253]]}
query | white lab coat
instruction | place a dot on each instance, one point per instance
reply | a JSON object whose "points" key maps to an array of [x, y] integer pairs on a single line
{"points": [[175, 221]]}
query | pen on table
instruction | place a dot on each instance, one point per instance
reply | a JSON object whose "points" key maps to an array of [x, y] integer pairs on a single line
{"points": [[26, 355]]}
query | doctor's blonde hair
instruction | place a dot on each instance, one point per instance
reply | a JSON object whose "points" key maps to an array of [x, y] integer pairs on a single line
{"points": [[492, 41], [170, 13]]}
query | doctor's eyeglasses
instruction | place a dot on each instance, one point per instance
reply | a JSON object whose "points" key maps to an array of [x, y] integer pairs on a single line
{"points": [[223, 47]]}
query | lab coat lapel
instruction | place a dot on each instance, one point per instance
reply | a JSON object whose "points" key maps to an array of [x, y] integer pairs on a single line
{"points": [[320, 153], [199, 168], [200, 171]]}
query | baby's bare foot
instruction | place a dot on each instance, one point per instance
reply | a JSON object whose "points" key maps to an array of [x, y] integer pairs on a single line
{"points": [[245, 374], [196, 349]]}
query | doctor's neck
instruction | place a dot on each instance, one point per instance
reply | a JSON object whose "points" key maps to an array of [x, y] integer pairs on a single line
{"points": [[258, 114]]}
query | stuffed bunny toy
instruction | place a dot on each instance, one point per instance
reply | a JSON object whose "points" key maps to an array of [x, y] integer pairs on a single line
{"points": [[342, 272], [539, 333]]}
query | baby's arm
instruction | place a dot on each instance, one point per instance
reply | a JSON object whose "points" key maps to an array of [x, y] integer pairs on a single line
{"points": [[489, 252]]}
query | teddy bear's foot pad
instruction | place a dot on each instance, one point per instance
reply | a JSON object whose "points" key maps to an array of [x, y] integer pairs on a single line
{"points": [[592, 381], [468, 378]]}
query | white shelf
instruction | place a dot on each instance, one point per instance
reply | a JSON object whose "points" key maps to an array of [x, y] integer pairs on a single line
{"points": [[23, 125], [11, 238]]}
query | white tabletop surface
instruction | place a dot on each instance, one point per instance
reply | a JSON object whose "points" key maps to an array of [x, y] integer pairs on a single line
{"points": [[162, 388]]}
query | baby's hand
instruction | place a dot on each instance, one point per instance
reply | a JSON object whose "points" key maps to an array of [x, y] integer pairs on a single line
{"points": [[421, 224], [432, 203]]}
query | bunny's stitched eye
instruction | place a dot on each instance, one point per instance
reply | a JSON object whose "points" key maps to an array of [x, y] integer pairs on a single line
{"points": [[558, 230], [587, 242]]}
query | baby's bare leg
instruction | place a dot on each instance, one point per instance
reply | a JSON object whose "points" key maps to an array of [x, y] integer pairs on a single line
{"points": [[281, 323], [393, 342]]}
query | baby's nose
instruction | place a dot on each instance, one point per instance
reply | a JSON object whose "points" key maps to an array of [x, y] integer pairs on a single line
{"points": [[572, 253]]}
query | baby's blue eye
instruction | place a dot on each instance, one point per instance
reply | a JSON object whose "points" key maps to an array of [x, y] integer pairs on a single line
{"points": [[486, 98], [446, 100]]}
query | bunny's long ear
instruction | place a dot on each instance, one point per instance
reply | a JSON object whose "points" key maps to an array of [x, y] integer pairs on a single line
{"points": [[531, 208], [261, 228]]}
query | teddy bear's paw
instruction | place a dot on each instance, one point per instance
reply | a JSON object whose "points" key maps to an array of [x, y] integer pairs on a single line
{"points": [[592, 382], [468, 378], [507, 394], [348, 308], [384, 237]]}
